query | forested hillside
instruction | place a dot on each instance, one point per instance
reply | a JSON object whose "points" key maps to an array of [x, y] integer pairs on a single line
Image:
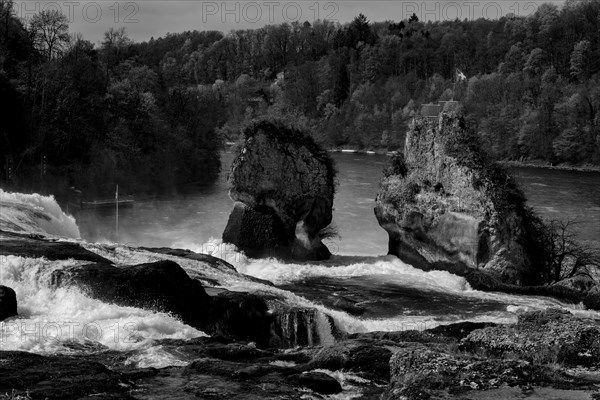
{"points": [[154, 114]]}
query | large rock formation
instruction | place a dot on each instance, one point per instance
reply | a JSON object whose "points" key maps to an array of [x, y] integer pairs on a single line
{"points": [[8, 303], [283, 186], [445, 205]]}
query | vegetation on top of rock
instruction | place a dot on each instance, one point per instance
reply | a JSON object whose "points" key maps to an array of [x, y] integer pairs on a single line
{"points": [[276, 129], [464, 145]]}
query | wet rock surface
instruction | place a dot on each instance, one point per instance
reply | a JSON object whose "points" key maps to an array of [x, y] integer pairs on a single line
{"points": [[35, 246], [392, 365], [60, 377], [165, 286], [8, 302], [592, 299], [395, 365], [283, 186], [261, 349]]}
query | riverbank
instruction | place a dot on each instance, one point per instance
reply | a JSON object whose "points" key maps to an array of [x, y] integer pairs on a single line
{"points": [[506, 163], [362, 151], [559, 167]]}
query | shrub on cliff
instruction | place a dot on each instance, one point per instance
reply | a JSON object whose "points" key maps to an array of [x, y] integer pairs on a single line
{"points": [[562, 255]]}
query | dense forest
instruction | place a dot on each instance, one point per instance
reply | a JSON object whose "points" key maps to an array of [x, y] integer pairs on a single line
{"points": [[153, 115]]}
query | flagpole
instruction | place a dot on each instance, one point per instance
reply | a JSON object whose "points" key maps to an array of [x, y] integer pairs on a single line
{"points": [[454, 88], [117, 207]]}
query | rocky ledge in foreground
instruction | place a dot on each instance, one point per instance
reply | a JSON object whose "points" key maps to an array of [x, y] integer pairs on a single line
{"points": [[282, 184], [444, 204], [553, 355]]}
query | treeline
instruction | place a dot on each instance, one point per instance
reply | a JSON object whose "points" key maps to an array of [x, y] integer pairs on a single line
{"points": [[74, 114], [157, 111], [531, 86]]}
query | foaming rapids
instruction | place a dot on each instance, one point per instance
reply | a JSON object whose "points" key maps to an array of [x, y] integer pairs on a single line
{"points": [[395, 295], [34, 213], [383, 271], [65, 320], [386, 267]]}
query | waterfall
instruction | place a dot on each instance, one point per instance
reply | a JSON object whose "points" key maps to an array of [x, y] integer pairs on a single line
{"points": [[301, 327]]}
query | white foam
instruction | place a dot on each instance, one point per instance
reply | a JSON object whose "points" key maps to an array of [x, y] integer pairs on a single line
{"points": [[154, 357], [351, 384], [388, 268], [34, 213], [66, 320]]}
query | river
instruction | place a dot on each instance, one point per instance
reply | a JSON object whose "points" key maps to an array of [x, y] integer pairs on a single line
{"points": [[192, 220], [360, 288]]}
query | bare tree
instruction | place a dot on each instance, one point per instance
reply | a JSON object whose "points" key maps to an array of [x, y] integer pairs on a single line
{"points": [[566, 256], [115, 41], [50, 32]]}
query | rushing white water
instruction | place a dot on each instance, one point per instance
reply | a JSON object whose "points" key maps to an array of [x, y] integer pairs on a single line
{"points": [[34, 213], [66, 320], [389, 267]]}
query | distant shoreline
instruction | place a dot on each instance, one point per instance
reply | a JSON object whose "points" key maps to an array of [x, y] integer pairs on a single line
{"points": [[506, 163], [380, 152], [559, 167]]}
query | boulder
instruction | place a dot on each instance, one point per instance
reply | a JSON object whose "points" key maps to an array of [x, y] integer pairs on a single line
{"points": [[548, 336], [371, 360], [446, 206], [36, 246], [318, 382], [54, 377], [165, 286], [8, 303], [282, 184], [161, 286], [592, 299], [420, 373]]}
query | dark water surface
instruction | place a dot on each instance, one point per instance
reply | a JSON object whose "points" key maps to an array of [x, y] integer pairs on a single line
{"points": [[195, 218]]}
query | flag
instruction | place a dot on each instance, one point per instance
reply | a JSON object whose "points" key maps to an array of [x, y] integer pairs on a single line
{"points": [[460, 76]]}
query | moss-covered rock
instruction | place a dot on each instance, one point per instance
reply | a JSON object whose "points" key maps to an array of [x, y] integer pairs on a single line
{"points": [[444, 203], [419, 373], [283, 186], [550, 336]]}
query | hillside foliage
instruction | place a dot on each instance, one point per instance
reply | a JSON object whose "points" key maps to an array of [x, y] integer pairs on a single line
{"points": [[153, 115]]}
